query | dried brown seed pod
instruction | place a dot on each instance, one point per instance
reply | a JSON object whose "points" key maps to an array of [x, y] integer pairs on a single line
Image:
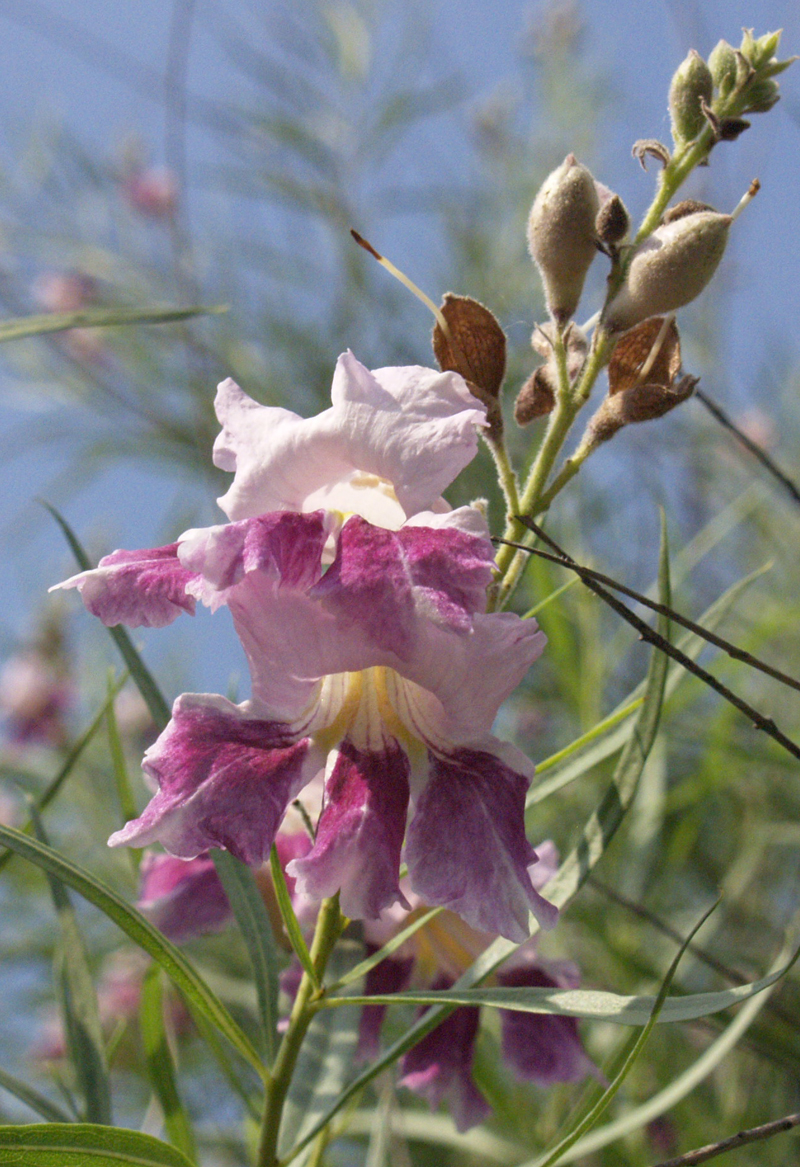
{"points": [[634, 349], [480, 355], [683, 208], [537, 397], [613, 221]]}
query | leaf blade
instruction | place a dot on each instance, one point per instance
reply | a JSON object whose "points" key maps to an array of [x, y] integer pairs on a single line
{"points": [[142, 932], [160, 1065], [37, 325], [251, 915], [84, 1145]]}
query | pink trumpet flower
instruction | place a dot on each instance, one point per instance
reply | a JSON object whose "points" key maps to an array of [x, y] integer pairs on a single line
{"points": [[359, 597]]}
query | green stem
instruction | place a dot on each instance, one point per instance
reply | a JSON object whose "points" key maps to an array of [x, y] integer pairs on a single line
{"points": [[506, 476], [511, 563], [673, 175], [330, 924]]}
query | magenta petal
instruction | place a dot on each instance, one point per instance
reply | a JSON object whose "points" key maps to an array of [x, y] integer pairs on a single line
{"points": [[225, 780], [138, 588], [440, 1066], [390, 976], [539, 1047], [182, 897], [360, 832], [466, 847], [385, 581], [284, 547]]}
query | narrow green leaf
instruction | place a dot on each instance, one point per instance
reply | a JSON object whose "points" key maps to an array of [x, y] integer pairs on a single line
{"points": [[22, 326], [251, 916], [141, 932], [81, 1016], [142, 677], [127, 803], [595, 837], [326, 1059], [31, 1097], [678, 1089], [83, 1145], [602, 1104], [296, 938], [590, 1004], [160, 1067], [54, 786], [365, 966], [609, 736], [603, 824]]}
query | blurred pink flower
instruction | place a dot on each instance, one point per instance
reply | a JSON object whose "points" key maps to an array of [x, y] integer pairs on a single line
{"points": [[152, 190], [35, 694], [71, 292]]}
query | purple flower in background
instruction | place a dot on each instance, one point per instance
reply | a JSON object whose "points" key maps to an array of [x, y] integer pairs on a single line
{"points": [[182, 897], [538, 1047], [359, 598]]}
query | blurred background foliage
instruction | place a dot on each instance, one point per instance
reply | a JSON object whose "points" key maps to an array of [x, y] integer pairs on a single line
{"points": [[359, 114]]}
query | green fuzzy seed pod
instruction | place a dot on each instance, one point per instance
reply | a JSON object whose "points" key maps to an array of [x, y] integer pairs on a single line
{"points": [[691, 84], [561, 235], [669, 269], [722, 64]]}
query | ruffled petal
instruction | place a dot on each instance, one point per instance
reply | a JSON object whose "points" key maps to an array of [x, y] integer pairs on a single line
{"points": [[539, 1047], [440, 1066], [412, 428], [183, 898], [139, 588], [391, 584], [225, 779], [466, 847], [458, 682], [283, 547], [360, 833]]}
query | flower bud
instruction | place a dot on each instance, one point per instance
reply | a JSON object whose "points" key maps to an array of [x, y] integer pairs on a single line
{"points": [[722, 64], [690, 87], [762, 96], [561, 235], [669, 269], [613, 221]]}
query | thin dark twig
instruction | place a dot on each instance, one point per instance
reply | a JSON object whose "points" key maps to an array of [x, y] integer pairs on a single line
{"points": [[736, 653], [755, 1134], [751, 446], [766, 724]]}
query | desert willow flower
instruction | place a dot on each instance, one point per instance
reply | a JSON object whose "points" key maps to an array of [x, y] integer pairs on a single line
{"points": [[360, 599]]}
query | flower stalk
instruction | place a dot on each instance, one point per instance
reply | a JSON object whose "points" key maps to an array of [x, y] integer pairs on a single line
{"points": [[330, 925]]}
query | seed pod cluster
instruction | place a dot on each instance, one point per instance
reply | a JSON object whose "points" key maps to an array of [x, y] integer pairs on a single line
{"points": [[561, 235]]}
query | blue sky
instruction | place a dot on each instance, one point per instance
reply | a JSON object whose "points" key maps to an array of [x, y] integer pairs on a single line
{"points": [[54, 66]]}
